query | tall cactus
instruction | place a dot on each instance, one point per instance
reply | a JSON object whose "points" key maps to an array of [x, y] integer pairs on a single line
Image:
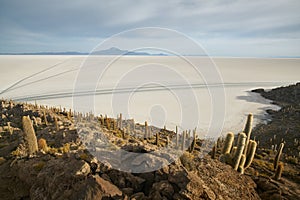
{"points": [[247, 131], [115, 124], [183, 141], [56, 124], [157, 139], [192, 148], [177, 137], [168, 142], [233, 151], [278, 171], [29, 136], [108, 123], [241, 164], [120, 121], [278, 155], [251, 152], [228, 143], [213, 152], [239, 151], [10, 129], [225, 153], [146, 130], [45, 118]]}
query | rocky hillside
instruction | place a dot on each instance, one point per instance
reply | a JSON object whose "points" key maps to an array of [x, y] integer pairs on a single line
{"points": [[285, 124], [54, 163], [283, 128]]}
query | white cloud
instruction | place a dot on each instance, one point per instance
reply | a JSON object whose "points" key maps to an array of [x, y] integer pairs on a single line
{"points": [[226, 21]]}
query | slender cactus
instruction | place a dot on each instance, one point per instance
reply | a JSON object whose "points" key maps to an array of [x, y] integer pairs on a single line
{"points": [[128, 128], [233, 151], [219, 143], [247, 131], [120, 121], [102, 120], [108, 123], [213, 152], [183, 141], [278, 171], [168, 141], [251, 152], [241, 164], [228, 143], [10, 129], [29, 135], [146, 130], [192, 147], [278, 155], [239, 151], [114, 124], [56, 124], [157, 139], [45, 118], [177, 137], [124, 133]]}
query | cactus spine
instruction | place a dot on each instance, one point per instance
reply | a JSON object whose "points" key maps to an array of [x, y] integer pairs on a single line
{"points": [[29, 135], [277, 157], [278, 171], [251, 152], [239, 151]]}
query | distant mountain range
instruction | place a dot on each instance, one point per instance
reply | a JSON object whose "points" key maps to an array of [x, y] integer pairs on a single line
{"points": [[110, 51]]}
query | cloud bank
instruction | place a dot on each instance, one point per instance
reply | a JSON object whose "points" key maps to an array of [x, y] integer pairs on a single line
{"points": [[224, 28]]}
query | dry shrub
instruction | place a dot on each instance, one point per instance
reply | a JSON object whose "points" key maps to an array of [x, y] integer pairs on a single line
{"points": [[42, 143]]}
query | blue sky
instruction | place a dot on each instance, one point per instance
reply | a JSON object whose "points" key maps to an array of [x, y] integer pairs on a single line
{"points": [[267, 28]]}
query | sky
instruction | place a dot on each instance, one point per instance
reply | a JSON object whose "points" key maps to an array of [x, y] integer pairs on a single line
{"points": [[268, 28]]}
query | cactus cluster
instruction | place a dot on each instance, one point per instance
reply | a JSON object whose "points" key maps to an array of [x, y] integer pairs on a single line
{"points": [[240, 156]]}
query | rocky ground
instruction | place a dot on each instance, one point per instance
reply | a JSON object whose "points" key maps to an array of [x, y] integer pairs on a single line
{"points": [[64, 169], [283, 127], [64, 166]]}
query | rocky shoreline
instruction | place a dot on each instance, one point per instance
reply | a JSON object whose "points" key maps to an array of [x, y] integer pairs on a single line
{"points": [[63, 168]]}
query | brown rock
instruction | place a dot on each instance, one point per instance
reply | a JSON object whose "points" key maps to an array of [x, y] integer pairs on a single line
{"points": [[138, 196], [164, 188], [127, 191]]}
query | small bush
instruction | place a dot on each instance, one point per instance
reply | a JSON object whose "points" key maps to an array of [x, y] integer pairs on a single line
{"points": [[187, 161], [83, 156], [65, 148], [52, 151], [42, 144], [291, 160]]}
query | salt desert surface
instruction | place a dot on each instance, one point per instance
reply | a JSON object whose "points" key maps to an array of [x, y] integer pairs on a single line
{"points": [[163, 90]]}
